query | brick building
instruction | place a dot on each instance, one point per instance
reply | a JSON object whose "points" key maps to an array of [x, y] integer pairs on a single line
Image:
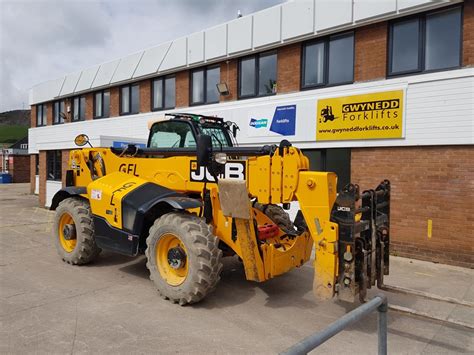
{"points": [[15, 161], [370, 90]]}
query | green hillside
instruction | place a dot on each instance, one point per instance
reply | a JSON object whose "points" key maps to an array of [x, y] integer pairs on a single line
{"points": [[10, 134], [13, 126]]}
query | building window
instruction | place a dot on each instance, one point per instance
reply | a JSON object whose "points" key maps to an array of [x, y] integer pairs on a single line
{"points": [[53, 165], [58, 112], [424, 43], [79, 108], [258, 75], [101, 104], [204, 85], [328, 61], [130, 99], [163, 93], [41, 115]]}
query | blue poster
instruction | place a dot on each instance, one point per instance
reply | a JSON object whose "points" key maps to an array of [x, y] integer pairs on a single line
{"points": [[284, 120], [119, 144]]}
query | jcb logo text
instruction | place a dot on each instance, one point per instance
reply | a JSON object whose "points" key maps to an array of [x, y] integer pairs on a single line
{"points": [[232, 170]]}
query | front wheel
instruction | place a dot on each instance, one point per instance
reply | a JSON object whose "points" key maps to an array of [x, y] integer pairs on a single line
{"points": [[74, 232], [183, 257]]}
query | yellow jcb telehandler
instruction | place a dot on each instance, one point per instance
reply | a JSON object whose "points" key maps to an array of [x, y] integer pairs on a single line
{"points": [[193, 196]]}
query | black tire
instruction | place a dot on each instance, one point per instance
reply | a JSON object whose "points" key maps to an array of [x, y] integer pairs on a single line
{"points": [[203, 257], [278, 216], [85, 249]]}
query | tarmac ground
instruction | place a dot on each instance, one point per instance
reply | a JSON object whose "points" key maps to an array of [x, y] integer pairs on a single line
{"points": [[111, 306]]}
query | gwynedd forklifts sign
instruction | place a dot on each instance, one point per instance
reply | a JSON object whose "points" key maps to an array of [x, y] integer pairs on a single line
{"points": [[368, 116]]}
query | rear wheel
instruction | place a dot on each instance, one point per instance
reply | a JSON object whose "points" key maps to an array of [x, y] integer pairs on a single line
{"points": [[183, 257], [74, 232]]}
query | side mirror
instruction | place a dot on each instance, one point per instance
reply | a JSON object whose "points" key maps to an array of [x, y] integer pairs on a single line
{"points": [[81, 140], [204, 150]]}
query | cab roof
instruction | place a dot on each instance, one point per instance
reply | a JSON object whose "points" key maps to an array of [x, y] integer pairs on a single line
{"points": [[187, 117]]}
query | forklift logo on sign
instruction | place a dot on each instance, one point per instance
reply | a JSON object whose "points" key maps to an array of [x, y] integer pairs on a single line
{"points": [[326, 115], [368, 116]]}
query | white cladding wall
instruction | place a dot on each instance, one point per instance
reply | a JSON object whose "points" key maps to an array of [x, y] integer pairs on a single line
{"points": [[126, 67], [36, 185], [301, 10], [51, 188], [439, 110], [196, 48], [86, 79], [105, 74], [275, 26], [70, 83]]}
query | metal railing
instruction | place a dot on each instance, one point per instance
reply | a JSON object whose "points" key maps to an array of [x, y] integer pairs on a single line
{"points": [[378, 303]]}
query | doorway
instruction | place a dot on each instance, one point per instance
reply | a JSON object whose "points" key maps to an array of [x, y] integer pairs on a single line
{"points": [[337, 160]]}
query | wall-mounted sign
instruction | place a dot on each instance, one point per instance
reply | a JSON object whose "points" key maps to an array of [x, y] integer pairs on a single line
{"points": [[284, 120], [282, 123], [119, 144], [368, 116], [258, 123]]}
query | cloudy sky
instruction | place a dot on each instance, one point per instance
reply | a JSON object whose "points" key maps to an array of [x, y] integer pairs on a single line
{"points": [[45, 39]]}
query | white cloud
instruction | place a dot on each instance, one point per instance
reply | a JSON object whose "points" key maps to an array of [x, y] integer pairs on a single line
{"points": [[45, 39]]}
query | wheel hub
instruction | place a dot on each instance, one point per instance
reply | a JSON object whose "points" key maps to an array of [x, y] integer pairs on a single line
{"points": [[69, 231], [176, 258]]}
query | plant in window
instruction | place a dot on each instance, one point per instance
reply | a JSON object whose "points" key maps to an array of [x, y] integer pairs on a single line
{"points": [[271, 87]]}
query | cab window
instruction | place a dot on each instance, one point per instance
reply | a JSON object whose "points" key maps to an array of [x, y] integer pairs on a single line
{"points": [[172, 134], [217, 133]]}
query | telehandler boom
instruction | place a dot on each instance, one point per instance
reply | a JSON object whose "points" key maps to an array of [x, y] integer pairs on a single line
{"points": [[193, 196]]}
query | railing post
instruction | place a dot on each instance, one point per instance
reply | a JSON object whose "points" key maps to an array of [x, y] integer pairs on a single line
{"points": [[378, 303], [382, 328]]}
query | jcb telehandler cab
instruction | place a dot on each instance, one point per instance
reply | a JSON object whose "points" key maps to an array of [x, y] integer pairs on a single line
{"points": [[193, 196]]}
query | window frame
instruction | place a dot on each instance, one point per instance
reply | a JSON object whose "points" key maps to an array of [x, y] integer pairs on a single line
{"points": [[257, 57], [121, 113], [57, 161], [61, 121], [325, 40], [94, 106], [204, 69], [79, 97], [163, 88], [422, 42], [44, 120]]}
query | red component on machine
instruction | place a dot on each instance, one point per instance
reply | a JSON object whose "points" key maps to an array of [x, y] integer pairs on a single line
{"points": [[268, 231]]}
